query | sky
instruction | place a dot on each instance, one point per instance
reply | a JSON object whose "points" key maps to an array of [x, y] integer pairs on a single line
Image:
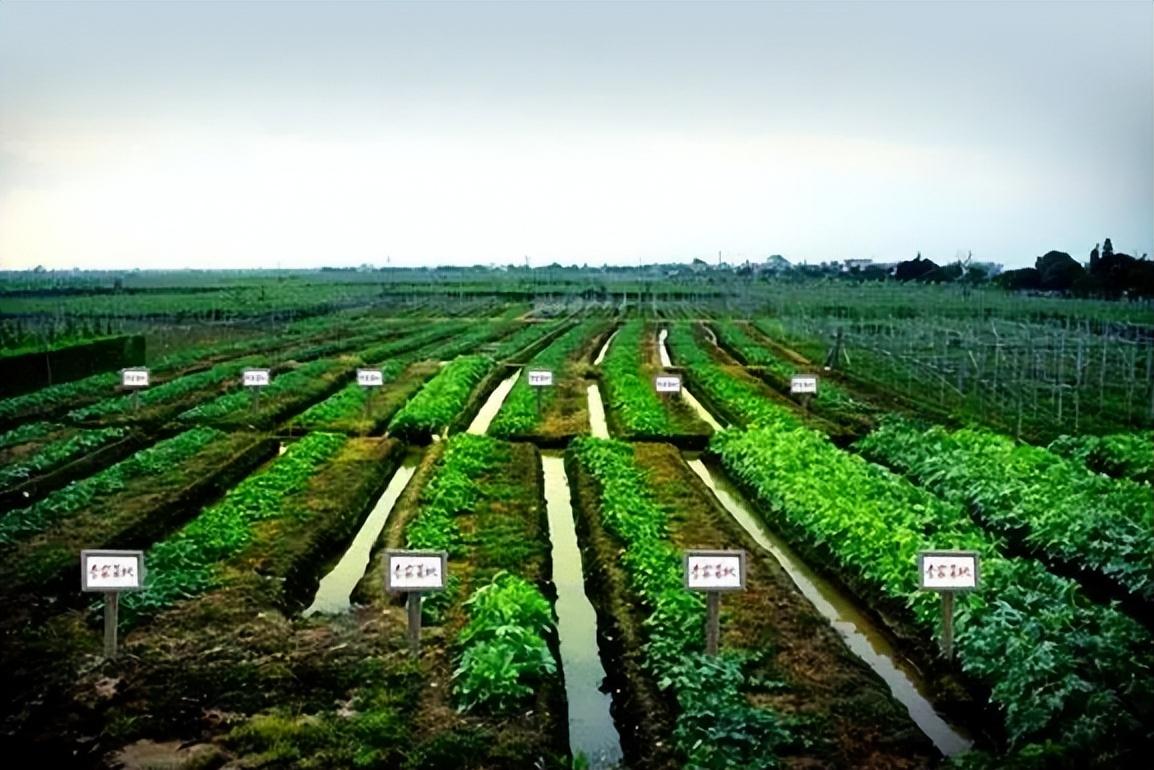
{"points": [[165, 135]]}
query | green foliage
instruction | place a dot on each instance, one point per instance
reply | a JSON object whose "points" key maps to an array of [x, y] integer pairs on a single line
{"points": [[717, 727], [57, 453], [185, 564], [79, 495], [57, 396], [518, 415], [173, 390], [1057, 507], [504, 652], [628, 390], [348, 402], [442, 399], [451, 492], [1059, 666], [28, 433], [293, 384], [1122, 455]]}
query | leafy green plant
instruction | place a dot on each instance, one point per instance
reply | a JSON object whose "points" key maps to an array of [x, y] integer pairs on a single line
{"points": [[1059, 666], [1122, 455], [186, 563], [1056, 507], [442, 398], [451, 492], [629, 392], [79, 494], [57, 453], [296, 384]]}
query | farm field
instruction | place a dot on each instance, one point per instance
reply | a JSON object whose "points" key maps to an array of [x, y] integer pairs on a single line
{"points": [[264, 634]]}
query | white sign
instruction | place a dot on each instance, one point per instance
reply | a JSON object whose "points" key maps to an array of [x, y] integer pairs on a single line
{"points": [[255, 378], [134, 378], [370, 378], [667, 383], [715, 570], [540, 378], [803, 383], [415, 570], [948, 570], [111, 570]]}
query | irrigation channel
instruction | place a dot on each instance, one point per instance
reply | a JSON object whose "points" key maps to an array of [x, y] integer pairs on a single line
{"points": [[480, 424], [863, 637], [337, 586], [591, 729]]}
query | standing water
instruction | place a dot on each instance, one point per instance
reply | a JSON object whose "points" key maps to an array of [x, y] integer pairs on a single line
{"points": [[336, 587], [862, 637], [591, 729], [604, 349], [480, 424], [597, 425], [688, 397]]}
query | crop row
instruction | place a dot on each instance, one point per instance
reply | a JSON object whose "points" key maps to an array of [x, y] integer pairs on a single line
{"points": [[629, 391], [443, 398], [56, 453], [1059, 509], [717, 725], [184, 564], [1063, 671], [303, 383], [1122, 455], [77, 495], [738, 399], [518, 414]]}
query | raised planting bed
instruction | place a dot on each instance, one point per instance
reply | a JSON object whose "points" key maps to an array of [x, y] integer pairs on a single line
{"points": [[1091, 527], [226, 642], [443, 400], [286, 394], [1120, 455], [493, 696], [346, 410], [40, 457], [634, 409], [1065, 676], [563, 406], [127, 505], [784, 691]]}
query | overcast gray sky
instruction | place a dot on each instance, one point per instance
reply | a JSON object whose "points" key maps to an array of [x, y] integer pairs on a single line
{"points": [[227, 134]]}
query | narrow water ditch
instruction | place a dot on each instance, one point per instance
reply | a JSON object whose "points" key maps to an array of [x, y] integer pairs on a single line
{"points": [[332, 596], [861, 635], [597, 424], [604, 349], [480, 424], [592, 733], [703, 413]]}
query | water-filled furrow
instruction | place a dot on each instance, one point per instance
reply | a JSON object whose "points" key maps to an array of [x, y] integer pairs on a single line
{"points": [[337, 586], [592, 733], [480, 424]]}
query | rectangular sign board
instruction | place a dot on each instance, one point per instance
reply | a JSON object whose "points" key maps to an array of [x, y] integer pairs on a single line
{"points": [[256, 378], [134, 378], [948, 570], [715, 570], [803, 383], [111, 570], [370, 378], [415, 570], [667, 383], [540, 378]]}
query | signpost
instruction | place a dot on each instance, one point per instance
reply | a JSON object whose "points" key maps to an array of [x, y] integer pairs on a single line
{"points": [[714, 572], [369, 379], [255, 379], [135, 379], [414, 572], [804, 385], [948, 572], [665, 384], [111, 572], [538, 379]]}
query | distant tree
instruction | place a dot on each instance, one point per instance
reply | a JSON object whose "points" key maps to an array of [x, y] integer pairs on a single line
{"points": [[914, 269], [1094, 257], [1020, 280], [1107, 249], [1058, 271]]}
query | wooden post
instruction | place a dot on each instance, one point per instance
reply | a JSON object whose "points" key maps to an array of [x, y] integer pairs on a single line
{"points": [[712, 622], [948, 624], [538, 403], [111, 611], [414, 608], [136, 400]]}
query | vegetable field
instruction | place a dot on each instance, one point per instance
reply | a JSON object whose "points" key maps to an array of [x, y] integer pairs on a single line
{"points": [[395, 416]]}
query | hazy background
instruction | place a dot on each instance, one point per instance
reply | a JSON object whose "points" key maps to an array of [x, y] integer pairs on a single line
{"points": [[225, 134]]}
